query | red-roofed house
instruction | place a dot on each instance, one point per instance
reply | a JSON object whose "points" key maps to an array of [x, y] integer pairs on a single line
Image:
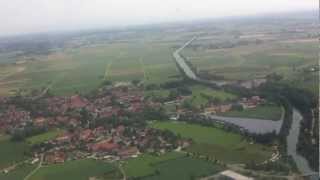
{"points": [[106, 145], [77, 102]]}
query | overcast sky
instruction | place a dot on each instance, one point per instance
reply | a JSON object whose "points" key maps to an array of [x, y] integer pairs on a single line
{"points": [[25, 16]]}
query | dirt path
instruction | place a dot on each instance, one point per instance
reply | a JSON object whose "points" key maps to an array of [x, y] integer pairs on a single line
{"points": [[107, 72], [35, 170], [122, 172], [143, 69]]}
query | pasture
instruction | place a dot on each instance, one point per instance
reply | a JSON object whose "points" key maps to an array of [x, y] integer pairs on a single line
{"points": [[200, 95], [217, 143], [172, 165], [268, 112], [144, 164], [44, 137], [19, 172], [12, 152], [254, 61], [79, 170], [184, 168], [84, 69]]}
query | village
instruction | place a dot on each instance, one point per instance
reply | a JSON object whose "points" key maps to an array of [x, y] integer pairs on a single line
{"points": [[108, 126]]}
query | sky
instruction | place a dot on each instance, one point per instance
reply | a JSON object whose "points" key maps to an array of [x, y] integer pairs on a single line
{"points": [[29, 16]]}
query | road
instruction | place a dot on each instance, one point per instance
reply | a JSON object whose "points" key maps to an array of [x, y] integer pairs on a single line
{"points": [[122, 172], [35, 170]]}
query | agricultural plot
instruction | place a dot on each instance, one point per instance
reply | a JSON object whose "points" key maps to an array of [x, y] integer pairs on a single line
{"points": [[144, 165], [184, 168], [201, 95], [216, 143], [44, 137], [19, 172], [13, 152], [84, 69], [79, 170], [169, 166], [268, 112], [249, 62]]}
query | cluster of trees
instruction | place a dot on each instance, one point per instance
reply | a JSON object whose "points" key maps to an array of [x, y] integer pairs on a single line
{"points": [[29, 130], [271, 166]]}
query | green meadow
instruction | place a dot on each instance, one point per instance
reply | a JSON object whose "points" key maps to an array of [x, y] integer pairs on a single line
{"points": [[216, 143], [44, 137], [12, 152], [268, 112], [75, 170]]}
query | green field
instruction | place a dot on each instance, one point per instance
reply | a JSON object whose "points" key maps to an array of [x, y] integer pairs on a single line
{"points": [[44, 137], [184, 169], [254, 61], [268, 112], [84, 69], [12, 152], [144, 164], [213, 142], [200, 94], [75, 170], [19, 173], [169, 166]]}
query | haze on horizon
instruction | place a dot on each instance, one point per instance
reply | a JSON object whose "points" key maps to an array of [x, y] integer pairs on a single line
{"points": [[21, 16]]}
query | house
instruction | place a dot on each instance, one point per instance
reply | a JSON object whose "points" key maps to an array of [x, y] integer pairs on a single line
{"points": [[105, 145], [86, 135], [39, 121], [128, 152], [66, 137], [55, 157], [120, 129], [77, 102]]}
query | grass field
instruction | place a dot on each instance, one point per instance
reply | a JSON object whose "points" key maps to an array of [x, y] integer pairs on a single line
{"points": [[269, 112], [19, 173], [222, 145], [11, 152], [44, 137], [198, 91], [253, 61], [184, 168], [168, 166], [84, 69], [144, 164], [75, 170]]}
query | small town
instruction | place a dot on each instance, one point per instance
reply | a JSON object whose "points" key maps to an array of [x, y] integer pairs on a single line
{"points": [[99, 127]]}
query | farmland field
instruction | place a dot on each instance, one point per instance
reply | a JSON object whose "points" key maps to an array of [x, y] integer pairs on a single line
{"points": [[19, 173], [184, 168], [44, 137], [144, 164], [169, 166], [199, 94], [269, 112], [85, 68], [248, 62], [213, 142], [13, 152], [78, 170]]}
